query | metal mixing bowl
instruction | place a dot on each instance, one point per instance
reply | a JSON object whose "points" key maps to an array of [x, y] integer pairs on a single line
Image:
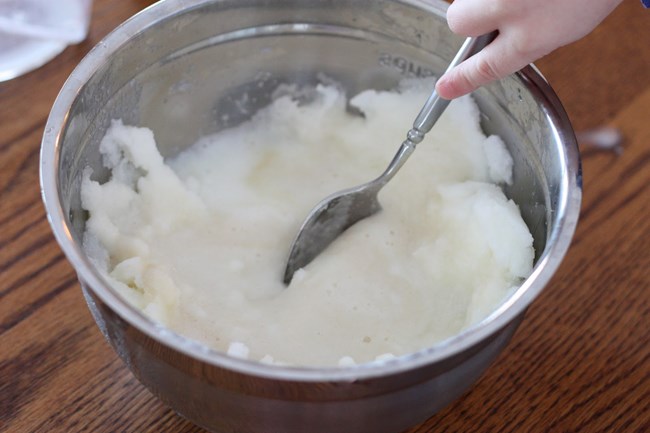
{"points": [[188, 68]]}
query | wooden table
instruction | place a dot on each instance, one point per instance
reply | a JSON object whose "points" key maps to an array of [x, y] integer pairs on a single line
{"points": [[579, 363]]}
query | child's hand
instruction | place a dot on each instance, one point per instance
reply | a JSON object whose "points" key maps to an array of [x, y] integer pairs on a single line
{"points": [[528, 30]]}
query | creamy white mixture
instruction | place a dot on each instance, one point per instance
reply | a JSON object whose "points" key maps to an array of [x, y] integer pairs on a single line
{"points": [[199, 242]]}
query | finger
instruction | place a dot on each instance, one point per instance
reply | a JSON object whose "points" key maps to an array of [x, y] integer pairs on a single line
{"points": [[498, 60], [473, 17]]}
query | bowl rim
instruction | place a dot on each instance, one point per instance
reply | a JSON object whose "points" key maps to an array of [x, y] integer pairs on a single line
{"points": [[566, 217]]}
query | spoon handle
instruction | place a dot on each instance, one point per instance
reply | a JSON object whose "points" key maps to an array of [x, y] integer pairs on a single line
{"points": [[435, 105], [431, 112]]}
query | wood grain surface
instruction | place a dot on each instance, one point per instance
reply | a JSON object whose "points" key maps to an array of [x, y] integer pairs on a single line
{"points": [[579, 362]]}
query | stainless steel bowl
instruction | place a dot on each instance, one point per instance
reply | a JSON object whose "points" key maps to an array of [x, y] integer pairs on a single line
{"points": [[186, 68]]}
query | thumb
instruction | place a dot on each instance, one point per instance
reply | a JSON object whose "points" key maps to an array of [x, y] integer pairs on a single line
{"points": [[497, 60]]}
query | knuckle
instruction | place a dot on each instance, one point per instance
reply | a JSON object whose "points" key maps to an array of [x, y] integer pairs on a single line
{"points": [[485, 71], [522, 43], [527, 47]]}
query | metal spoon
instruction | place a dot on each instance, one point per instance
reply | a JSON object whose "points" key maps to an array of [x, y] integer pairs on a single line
{"points": [[339, 211]]}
